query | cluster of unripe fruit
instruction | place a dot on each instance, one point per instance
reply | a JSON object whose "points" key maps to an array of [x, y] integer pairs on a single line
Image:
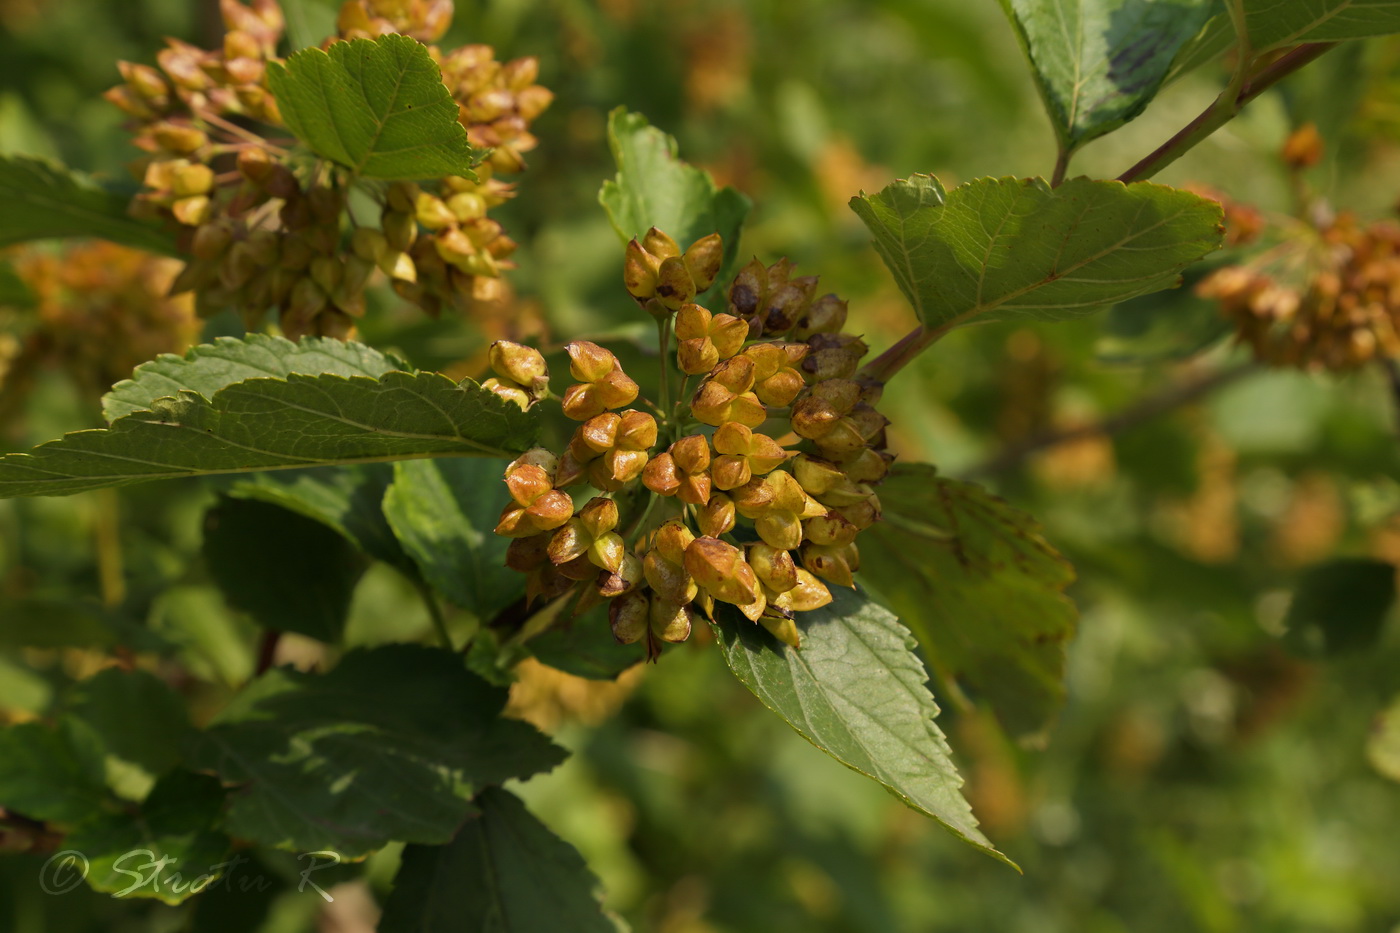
{"points": [[99, 311], [1327, 296], [262, 237], [1329, 301], [750, 490]]}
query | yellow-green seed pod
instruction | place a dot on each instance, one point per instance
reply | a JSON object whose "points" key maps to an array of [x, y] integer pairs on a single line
{"points": [[608, 551], [721, 569], [570, 542], [775, 569], [629, 616], [671, 540], [400, 230], [674, 286], [717, 516], [782, 628], [831, 529], [826, 315], [661, 475], [660, 245], [703, 259], [625, 579], [670, 622], [809, 593], [639, 272], [671, 581], [835, 563], [432, 213], [519, 363]]}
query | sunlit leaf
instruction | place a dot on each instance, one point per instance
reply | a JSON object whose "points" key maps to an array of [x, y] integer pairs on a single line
{"points": [[44, 201], [980, 589], [209, 367], [856, 690], [444, 513], [376, 107], [1098, 63], [654, 188], [1006, 248], [275, 424]]}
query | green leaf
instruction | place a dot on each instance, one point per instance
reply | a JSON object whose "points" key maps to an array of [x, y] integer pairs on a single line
{"points": [[654, 188], [444, 513], [1275, 24], [391, 744], [347, 499], [1383, 746], [168, 851], [1340, 606], [1099, 63], [856, 690], [289, 572], [137, 716], [377, 107], [209, 367], [1003, 248], [52, 773], [504, 872], [43, 201], [308, 21], [275, 424], [980, 589]]}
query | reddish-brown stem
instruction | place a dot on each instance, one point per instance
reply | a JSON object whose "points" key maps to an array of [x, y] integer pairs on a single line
{"points": [[1222, 110], [267, 650], [1061, 166], [902, 352], [1144, 410]]}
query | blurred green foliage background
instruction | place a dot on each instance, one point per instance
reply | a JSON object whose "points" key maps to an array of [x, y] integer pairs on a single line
{"points": [[1207, 774]]}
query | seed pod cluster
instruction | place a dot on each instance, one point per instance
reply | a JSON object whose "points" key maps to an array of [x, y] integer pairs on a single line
{"points": [[752, 491], [1330, 303], [424, 20], [100, 310], [262, 236]]}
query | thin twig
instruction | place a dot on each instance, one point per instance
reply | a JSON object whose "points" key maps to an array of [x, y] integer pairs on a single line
{"points": [[903, 352], [108, 543], [435, 613], [1144, 410], [1061, 166], [267, 650]]}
